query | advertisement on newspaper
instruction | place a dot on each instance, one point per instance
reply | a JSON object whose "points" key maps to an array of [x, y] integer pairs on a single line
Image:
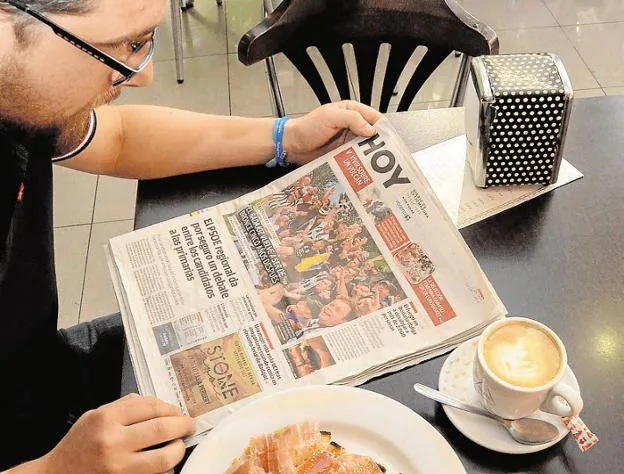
{"points": [[343, 265]]}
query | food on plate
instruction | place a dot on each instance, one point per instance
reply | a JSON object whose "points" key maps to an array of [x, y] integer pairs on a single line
{"points": [[301, 448]]}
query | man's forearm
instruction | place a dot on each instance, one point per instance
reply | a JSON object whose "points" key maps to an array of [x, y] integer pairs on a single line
{"points": [[153, 142]]}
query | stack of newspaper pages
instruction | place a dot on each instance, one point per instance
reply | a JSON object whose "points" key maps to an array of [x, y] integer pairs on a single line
{"points": [[343, 270]]}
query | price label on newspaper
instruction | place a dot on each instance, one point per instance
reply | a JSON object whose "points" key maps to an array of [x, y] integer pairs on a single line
{"points": [[345, 269]]}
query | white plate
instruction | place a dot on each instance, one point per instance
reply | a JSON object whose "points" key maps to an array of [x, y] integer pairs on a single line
{"points": [[362, 421], [456, 380]]}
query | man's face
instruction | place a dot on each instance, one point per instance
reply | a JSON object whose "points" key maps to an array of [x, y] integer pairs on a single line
{"points": [[334, 313], [47, 82], [383, 290], [323, 285], [367, 305], [359, 290], [404, 258], [301, 309]]}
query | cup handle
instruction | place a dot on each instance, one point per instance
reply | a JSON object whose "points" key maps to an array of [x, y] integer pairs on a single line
{"points": [[553, 405]]}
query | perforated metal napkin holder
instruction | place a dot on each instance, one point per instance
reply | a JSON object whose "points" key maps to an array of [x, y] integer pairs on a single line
{"points": [[517, 110]]}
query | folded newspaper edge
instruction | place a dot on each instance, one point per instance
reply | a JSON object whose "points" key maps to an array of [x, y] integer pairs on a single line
{"points": [[343, 270]]}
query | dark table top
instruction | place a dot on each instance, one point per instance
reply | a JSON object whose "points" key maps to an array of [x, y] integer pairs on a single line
{"points": [[558, 258]]}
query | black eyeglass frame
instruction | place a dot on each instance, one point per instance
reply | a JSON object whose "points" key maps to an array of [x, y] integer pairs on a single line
{"points": [[126, 72]]}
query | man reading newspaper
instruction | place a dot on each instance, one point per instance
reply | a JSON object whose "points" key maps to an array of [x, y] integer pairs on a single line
{"points": [[53, 98]]}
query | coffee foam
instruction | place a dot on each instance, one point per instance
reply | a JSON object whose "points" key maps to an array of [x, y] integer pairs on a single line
{"points": [[522, 355]]}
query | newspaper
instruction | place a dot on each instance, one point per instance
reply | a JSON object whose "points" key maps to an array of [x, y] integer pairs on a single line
{"points": [[343, 270], [445, 167]]}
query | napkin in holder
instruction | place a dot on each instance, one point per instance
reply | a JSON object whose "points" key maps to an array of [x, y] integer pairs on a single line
{"points": [[517, 110]]}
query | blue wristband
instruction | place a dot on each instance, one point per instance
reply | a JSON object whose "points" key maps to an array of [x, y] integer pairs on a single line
{"points": [[279, 159]]}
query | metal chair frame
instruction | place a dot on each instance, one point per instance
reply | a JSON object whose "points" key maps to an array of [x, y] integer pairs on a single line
{"points": [[177, 7]]}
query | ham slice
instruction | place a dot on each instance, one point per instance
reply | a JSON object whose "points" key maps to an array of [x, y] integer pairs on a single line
{"points": [[317, 464], [300, 449], [281, 452], [247, 464]]}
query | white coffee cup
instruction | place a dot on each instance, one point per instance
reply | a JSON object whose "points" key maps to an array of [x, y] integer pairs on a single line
{"points": [[514, 401]]}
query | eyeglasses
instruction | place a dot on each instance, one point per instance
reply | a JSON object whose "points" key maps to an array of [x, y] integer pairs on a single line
{"points": [[140, 53]]}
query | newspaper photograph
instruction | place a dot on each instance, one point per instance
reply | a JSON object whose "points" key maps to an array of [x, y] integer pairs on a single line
{"points": [[312, 260], [343, 270]]}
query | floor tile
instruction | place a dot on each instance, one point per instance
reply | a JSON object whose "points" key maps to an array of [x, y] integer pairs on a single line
{"points": [[439, 86], [551, 40], [297, 94], [602, 47], [242, 15], [575, 12], [74, 196], [70, 249], [98, 296], [204, 90], [115, 199], [614, 90], [249, 89], [589, 93], [508, 14], [203, 32]]}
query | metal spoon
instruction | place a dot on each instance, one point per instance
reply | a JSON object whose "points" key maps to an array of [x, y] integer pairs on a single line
{"points": [[523, 430]]}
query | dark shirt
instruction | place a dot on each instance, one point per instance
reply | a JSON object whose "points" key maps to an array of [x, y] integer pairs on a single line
{"points": [[33, 397]]}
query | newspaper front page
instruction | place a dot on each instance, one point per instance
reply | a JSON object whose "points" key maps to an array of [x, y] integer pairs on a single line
{"points": [[344, 269]]}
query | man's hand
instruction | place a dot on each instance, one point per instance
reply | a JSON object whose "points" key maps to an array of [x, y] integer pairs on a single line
{"points": [[327, 127], [116, 438]]}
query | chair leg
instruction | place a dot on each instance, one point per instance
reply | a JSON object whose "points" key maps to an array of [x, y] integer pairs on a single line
{"points": [[459, 91], [274, 89], [176, 23]]}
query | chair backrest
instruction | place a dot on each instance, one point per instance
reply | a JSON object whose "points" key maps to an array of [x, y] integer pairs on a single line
{"points": [[442, 26]]}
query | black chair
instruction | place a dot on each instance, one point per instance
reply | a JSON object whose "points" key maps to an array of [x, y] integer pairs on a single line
{"points": [[442, 26]]}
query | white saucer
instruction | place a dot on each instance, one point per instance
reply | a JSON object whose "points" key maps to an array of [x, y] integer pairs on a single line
{"points": [[456, 380]]}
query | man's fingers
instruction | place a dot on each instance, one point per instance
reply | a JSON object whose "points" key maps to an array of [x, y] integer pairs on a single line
{"points": [[158, 430], [134, 409], [159, 460], [353, 121], [371, 115]]}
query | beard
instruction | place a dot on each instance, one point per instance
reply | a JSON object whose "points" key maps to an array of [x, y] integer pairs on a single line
{"points": [[73, 130], [27, 110]]}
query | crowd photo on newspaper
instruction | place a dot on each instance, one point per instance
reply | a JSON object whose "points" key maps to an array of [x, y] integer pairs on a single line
{"points": [[334, 271]]}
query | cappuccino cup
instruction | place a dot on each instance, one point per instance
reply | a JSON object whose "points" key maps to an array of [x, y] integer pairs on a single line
{"points": [[518, 369]]}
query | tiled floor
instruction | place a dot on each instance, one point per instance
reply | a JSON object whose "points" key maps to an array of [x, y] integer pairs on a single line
{"points": [[587, 34]]}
